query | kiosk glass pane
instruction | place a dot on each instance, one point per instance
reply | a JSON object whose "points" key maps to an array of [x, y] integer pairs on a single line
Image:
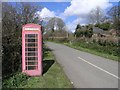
{"points": [[31, 51]]}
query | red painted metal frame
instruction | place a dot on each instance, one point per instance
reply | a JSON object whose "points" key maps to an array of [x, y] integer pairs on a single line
{"points": [[38, 70]]}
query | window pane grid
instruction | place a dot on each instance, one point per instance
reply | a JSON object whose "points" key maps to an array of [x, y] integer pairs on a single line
{"points": [[31, 54], [32, 61], [28, 48], [31, 40], [31, 67], [31, 51], [30, 44]]}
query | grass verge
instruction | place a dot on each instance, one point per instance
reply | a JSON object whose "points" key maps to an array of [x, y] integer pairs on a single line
{"points": [[95, 52], [53, 76], [105, 55]]}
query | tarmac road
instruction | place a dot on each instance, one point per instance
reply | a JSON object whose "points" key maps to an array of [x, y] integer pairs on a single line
{"points": [[86, 70]]}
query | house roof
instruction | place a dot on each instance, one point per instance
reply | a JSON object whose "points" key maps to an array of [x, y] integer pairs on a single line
{"points": [[97, 30]]}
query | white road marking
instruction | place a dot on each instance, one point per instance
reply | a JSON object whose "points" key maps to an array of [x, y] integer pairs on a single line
{"points": [[99, 68]]}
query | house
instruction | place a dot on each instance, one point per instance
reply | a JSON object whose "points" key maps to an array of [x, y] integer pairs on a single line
{"points": [[98, 32]]}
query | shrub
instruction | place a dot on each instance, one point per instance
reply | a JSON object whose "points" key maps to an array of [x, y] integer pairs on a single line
{"points": [[15, 81], [102, 46], [104, 26]]}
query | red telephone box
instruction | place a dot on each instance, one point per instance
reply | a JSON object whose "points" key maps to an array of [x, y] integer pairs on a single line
{"points": [[32, 49]]}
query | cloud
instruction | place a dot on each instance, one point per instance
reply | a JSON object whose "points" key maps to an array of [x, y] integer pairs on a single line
{"points": [[82, 7], [62, 16], [46, 13], [72, 25]]}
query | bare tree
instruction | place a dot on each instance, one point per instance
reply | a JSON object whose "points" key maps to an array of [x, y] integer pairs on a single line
{"points": [[55, 23], [114, 13], [55, 27], [95, 15]]}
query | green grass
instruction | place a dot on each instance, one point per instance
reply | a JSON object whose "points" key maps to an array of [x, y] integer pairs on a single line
{"points": [[82, 47], [105, 55], [53, 76], [90, 49]]}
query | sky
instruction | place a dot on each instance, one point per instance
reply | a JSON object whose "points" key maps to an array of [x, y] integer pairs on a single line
{"points": [[73, 12]]}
